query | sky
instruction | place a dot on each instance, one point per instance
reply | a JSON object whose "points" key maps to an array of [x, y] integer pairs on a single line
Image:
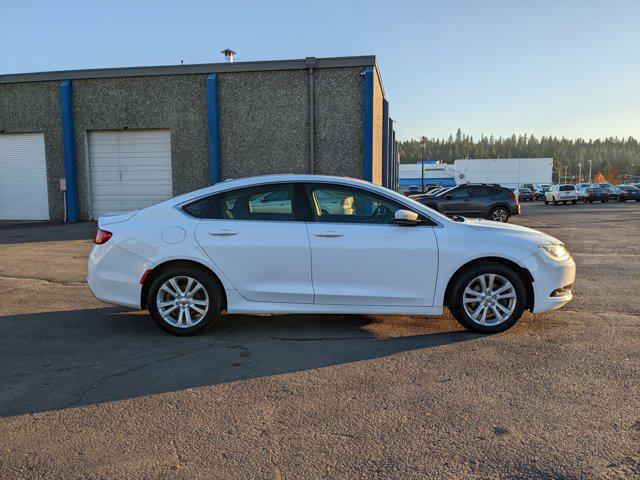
{"points": [[564, 67]]}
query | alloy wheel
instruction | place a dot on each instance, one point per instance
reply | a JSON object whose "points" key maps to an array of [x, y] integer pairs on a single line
{"points": [[489, 299], [182, 301], [500, 215]]}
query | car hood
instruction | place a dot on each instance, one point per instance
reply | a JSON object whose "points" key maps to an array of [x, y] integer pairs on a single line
{"points": [[516, 232]]}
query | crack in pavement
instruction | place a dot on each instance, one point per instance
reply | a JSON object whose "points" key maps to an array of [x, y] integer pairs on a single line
{"points": [[128, 371], [46, 280]]}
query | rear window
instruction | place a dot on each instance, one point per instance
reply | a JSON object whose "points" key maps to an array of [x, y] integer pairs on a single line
{"points": [[525, 190], [567, 188]]}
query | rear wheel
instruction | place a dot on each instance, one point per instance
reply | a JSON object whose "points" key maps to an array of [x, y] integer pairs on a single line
{"points": [[500, 214], [555, 202], [546, 202], [488, 298], [184, 300]]}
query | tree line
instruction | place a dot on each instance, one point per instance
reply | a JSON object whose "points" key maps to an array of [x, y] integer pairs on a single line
{"points": [[617, 159]]}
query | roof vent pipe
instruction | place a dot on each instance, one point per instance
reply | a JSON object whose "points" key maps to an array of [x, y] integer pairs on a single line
{"points": [[229, 55]]}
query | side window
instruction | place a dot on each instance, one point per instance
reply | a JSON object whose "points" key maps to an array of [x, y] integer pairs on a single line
{"points": [[264, 202], [200, 208], [480, 191], [334, 203], [460, 192]]}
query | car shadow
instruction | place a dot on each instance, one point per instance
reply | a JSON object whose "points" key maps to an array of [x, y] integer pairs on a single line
{"points": [[57, 360]]}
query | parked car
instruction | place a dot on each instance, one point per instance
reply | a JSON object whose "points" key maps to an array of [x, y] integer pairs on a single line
{"points": [[592, 194], [563, 193], [489, 201], [603, 185], [412, 190], [622, 193], [538, 193], [524, 194], [189, 258]]}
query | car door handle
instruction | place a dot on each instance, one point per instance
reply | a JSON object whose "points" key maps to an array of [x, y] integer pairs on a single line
{"points": [[222, 233], [329, 234]]}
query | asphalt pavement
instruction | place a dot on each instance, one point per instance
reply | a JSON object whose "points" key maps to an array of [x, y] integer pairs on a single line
{"points": [[89, 390]]}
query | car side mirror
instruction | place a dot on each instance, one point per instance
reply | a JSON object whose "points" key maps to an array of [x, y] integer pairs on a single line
{"points": [[449, 196], [406, 217]]}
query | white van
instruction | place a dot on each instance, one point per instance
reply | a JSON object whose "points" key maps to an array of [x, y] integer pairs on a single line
{"points": [[563, 193]]}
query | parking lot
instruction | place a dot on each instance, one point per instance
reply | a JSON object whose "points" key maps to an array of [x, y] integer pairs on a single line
{"points": [[94, 391]]}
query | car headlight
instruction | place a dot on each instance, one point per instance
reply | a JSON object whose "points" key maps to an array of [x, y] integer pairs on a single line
{"points": [[556, 251]]}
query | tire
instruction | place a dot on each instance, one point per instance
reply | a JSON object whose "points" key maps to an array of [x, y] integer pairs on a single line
{"points": [[555, 202], [176, 318], [469, 279], [574, 202], [546, 202], [500, 214]]}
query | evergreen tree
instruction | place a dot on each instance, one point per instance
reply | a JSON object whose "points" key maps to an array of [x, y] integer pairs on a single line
{"points": [[617, 158]]}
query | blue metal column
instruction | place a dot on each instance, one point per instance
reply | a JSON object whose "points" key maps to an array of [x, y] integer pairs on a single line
{"points": [[69, 148], [214, 135], [367, 170], [385, 143], [394, 145], [390, 152]]}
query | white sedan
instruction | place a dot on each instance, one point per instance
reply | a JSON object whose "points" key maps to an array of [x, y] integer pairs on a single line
{"points": [[317, 244]]}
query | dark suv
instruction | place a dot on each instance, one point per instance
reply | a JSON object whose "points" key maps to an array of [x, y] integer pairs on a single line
{"points": [[488, 201]]}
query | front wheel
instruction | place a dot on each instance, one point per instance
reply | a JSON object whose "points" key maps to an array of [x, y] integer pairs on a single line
{"points": [[500, 214], [555, 202], [488, 298], [184, 300], [546, 202]]}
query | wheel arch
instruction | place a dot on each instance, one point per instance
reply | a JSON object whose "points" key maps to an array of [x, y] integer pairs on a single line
{"points": [[158, 269], [521, 271]]}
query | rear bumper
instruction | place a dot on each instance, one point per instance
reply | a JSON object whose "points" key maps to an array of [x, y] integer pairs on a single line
{"points": [[549, 276], [115, 273]]}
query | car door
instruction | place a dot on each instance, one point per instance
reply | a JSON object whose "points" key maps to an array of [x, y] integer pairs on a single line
{"points": [[257, 237], [457, 201], [480, 200], [360, 256]]}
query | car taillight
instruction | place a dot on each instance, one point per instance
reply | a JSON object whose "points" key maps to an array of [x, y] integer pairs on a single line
{"points": [[515, 196], [102, 236]]}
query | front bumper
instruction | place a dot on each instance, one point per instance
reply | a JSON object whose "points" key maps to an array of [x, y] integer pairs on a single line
{"points": [[552, 281]]}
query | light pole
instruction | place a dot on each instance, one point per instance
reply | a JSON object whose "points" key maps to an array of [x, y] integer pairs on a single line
{"points": [[590, 177], [579, 173], [422, 163], [566, 167]]}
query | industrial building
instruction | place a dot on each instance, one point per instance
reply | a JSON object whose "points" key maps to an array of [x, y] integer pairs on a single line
{"points": [[81, 143], [508, 172]]}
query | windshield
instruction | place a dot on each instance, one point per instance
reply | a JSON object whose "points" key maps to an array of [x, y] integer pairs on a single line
{"points": [[443, 191]]}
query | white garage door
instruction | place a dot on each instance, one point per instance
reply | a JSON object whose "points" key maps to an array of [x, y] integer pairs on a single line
{"points": [[129, 170], [23, 177]]}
